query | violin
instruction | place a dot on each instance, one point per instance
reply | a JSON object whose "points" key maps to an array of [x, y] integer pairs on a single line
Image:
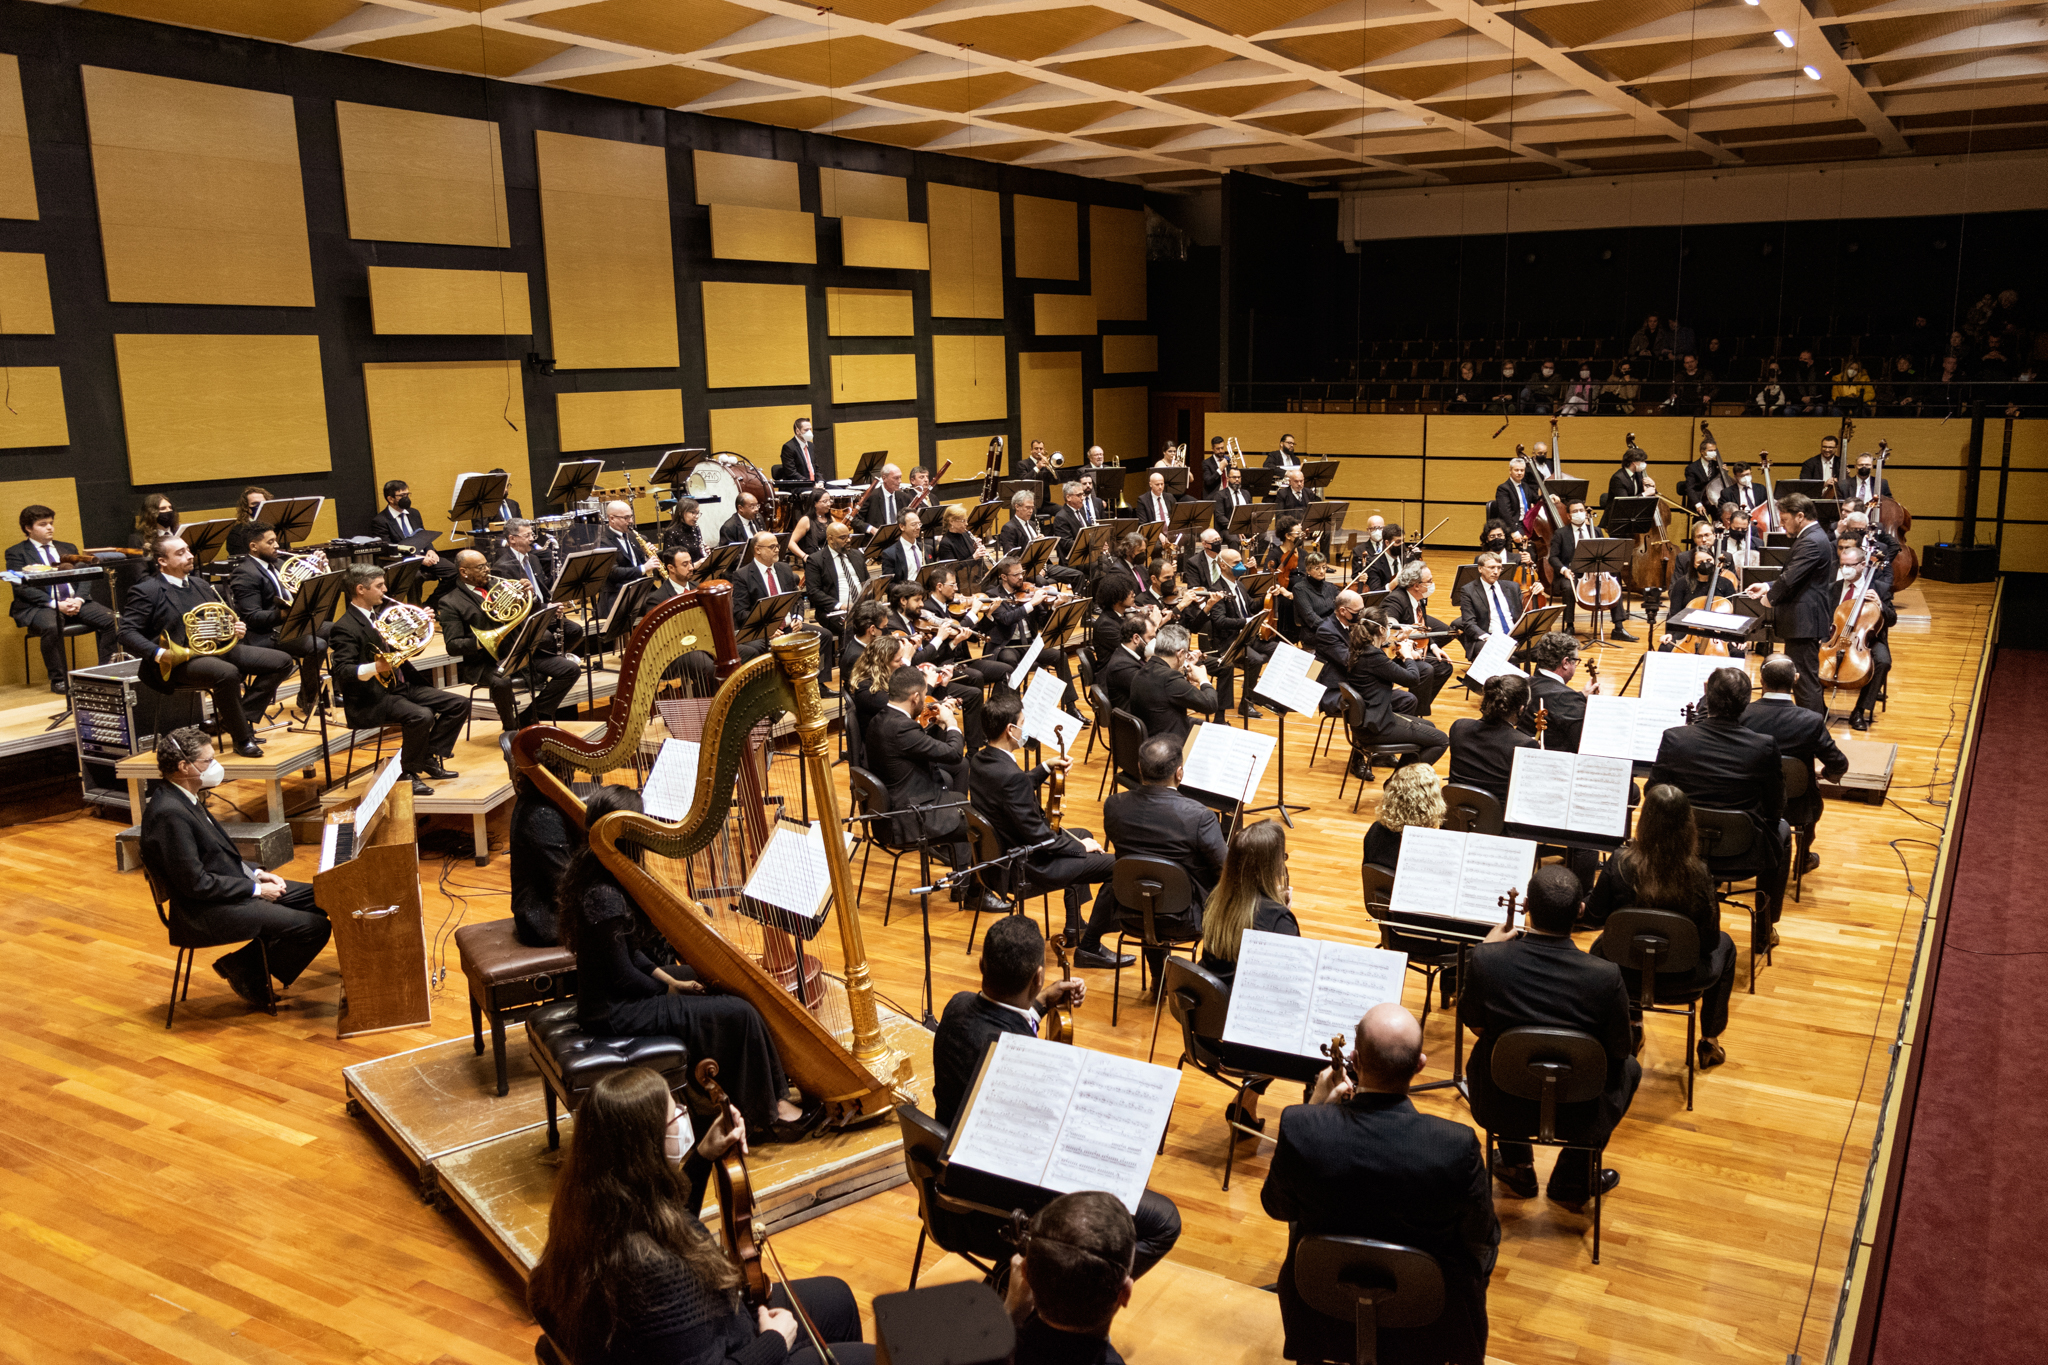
{"points": [[1542, 723], [1334, 1050], [1508, 903], [1060, 1022], [1056, 784], [744, 1234]]}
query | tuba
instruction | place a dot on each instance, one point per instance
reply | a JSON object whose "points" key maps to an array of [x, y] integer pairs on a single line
{"points": [[209, 629], [406, 631], [507, 603], [296, 569]]}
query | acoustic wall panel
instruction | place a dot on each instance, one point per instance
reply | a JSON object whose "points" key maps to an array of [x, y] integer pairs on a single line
{"points": [[611, 275], [624, 417], [413, 302], [966, 251], [431, 421], [969, 455], [874, 378], [1116, 262], [869, 313], [1049, 402], [756, 433], [749, 181], [1346, 433], [199, 192], [755, 335], [897, 435], [970, 379], [1063, 315], [880, 244], [413, 177], [33, 413], [1376, 484], [857, 194], [1121, 416], [1129, 354], [1048, 237], [199, 408], [17, 178], [61, 497], [742, 233], [24, 294]]}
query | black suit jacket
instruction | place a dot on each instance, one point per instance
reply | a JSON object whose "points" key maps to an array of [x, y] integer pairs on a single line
{"points": [[1148, 509], [821, 582], [1801, 734], [1280, 459], [1375, 1167], [895, 563], [386, 525], [191, 857], [1724, 765], [972, 1022], [1545, 982], [748, 590], [1505, 507], [1117, 675], [356, 642], [1477, 608], [1160, 822], [1066, 527], [1007, 797], [1816, 467], [1285, 499], [27, 596], [254, 597], [1162, 698], [735, 530], [1851, 487], [908, 760], [1567, 707], [506, 565], [1698, 477], [792, 470], [1620, 484], [1483, 754], [154, 608], [1803, 593], [461, 614], [1227, 500]]}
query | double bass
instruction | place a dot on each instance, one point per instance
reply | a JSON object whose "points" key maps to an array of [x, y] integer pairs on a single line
{"points": [[1650, 565], [1541, 523], [1889, 514]]}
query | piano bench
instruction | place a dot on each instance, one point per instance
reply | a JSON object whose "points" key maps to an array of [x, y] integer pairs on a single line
{"points": [[265, 844], [571, 1061], [507, 978]]}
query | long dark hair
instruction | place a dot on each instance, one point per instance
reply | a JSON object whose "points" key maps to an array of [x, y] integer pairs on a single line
{"points": [[1367, 630], [1662, 864], [1254, 868], [584, 870], [618, 1206]]}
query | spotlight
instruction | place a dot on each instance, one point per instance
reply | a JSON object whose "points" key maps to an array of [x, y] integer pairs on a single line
{"points": [[1784, 39]]}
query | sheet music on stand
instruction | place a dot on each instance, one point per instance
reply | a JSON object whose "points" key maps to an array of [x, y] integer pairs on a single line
{"points": [[1225, 761], [791, 885], [1584, 793], [1064, 1118], [1017, 674], [1042, 712], [1447, 874], [672, 783], [1624, 727], [1291, 679], [1293, 994], [1493, 657]]}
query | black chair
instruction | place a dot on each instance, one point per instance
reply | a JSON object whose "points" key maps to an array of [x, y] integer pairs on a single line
{"points": [[1436, 955], [1012, 880], [1472, 811], [871, 798], [1200, 1003], [1727, 839], [1798, 782], [1098, 716], [188, 951], [1647, 942], [1329, 722], [1370, 1284], [1126, 737], [1158, 889], [1552, 1067], [571, 1061], [72, 630], [1354, 723], [545, 1352], [971, 1231]]}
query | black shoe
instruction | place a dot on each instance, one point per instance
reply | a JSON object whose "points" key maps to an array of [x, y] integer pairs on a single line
{"points": [[1859, 720], [1576, 1199], [1811, 861], [989, 903], [419, 788], [1709, 1054], [1251, 713], [1361, 769], [249, 748], [1619, 634], [1096, 957], [1519, 1180], [254, 990], [825, 691], [440, 771], [59, 686], [793, 1130]]}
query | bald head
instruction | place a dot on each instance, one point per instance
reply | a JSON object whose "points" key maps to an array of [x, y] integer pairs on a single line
{"points": [[1349, 602], [1389, 1044]]}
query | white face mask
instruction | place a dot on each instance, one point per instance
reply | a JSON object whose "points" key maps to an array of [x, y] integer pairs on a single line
{"points": [[1847, 572], [212, 775], [1578, 518], [1377, 533], [1585, 373], [676, 1138], [1744, 480]]}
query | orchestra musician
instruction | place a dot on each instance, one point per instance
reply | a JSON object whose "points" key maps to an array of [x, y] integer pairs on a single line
{"points": [[1722, 764], [1072, 1279], [1706, 483], [1228, 496], [940, 646], [1801, 735], [1391, 556], [1865, 487], [885, 504], [1314, 593], [1828, 466], [461, 613], [1708, 578], [1116, 595], [1555, 658], [1155, 819], [636, 557], [1202, 566], [1631, 480], [1541, 463], [685, 530], [1483, 749], [745, 523], [944, 592], [1514, 495], [155, 610], [257, 594], [1295, 495], [1072, 519], [801, 462], [1404, 607], [46, 612], [541, 841], [1850, 552], [1221, 621], [1563, 543], [1169, 684], [1803, 595], [923, 765], [1745, 497], [1214, 464], [905, 557], [1097, 508], [1117, 675], [761, 577], [1352, 643], [1252, 892], [1487, 604], [958, 542], [508, 507], [399, 523], [1284, 457], [375, 693], [251, 498], [833, 580], [679, 575], [870, 658], [522, 558], [1158, 503]]}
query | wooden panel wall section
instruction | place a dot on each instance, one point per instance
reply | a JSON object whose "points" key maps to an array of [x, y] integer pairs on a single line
{"points": [[611, 274], [869, 313], [433, 420], [1120, 419], [966, 251], [1048, 237], [61, 497], [880, 244], [756, 433], [970, 379], [1343, 433], [619, 418], [740, 232], [1130, 354], [24, 295], [1063, 315], [413, 177], [874, 379], [897, 435], [33, 414], [418, 302], [969, 455], [200, 199], [755, 335], [1116, 262], [747, 181], [1049, 401], [857, 194], [1377, 483], [200, 408], [17, 176]]}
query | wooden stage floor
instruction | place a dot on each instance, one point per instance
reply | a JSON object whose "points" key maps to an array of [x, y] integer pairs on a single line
{"points": [[200, 1194]]}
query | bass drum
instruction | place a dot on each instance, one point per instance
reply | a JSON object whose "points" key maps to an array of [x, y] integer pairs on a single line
{"points": [[717, 481]]}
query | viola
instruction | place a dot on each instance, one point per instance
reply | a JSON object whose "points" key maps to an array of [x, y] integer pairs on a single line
{"points": [[1334, 1050], [1542, 723], [1056, 784]]}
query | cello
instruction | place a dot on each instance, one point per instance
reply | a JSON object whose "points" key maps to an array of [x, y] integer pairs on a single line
{"points": [[1845, 659], [1707, 600], [1889, 514]]}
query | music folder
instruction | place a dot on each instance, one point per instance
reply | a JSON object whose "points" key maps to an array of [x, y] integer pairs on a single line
{"points": [[1447, 874], [1582, 793], [1294, 994]]}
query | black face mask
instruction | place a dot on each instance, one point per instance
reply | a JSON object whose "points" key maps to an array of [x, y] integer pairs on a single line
{"points": [[167, 518], [405, 503]]}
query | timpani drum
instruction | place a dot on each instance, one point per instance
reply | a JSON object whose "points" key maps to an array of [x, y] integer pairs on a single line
{"points": [[717, 481]]}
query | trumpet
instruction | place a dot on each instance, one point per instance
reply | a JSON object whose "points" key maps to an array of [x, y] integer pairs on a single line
{"points": [[406, 630], [296, 569], [1058, 459], [508, 602], [209, 630]]}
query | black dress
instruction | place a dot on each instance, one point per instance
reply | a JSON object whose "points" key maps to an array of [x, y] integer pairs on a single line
{"points": [[618, 994], [1270, 917], [1715, 971], [1383, 845]]}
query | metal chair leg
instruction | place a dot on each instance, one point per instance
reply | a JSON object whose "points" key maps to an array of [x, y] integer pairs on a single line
{"points": [[918, 1259]]}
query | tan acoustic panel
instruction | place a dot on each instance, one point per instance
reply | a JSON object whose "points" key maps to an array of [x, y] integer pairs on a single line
{"points": [[1063, 315], [740, 232], [970, 379], [1049, 400], [61, 497], [748, 181], [756, 433], [897, 435], [200, 408], [1344, 433], [625, 417], [33, 413], [1130, 354], [413, 302], [1048, 237], [879, 244], [24, 295], [433, 420], [1462, 480], [17, 176], [611, 275], [966, 251], [414, 177], [869, 313], [199, 192], [1257, 432], [1121, 416], [858, 194], [873, 378], [969, 455], [1387, 485], [1116, 262], [755, 335]]}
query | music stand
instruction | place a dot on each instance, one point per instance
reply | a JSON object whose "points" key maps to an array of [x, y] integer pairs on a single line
{"points": [[311, 606], [1193, 515], [206, 538], [1037, 555], [881, 539], [581, 578], [870, 461], [1259, 482], [1322, 520], [1536, 621], [767, 614], [1252, 519], [1089, 544], [574, 481], [1373, 599], [720, 559], [1175, 475], [1317, 474], [1753, 624], [516, 653], [475, 497], [291, 517], [1597, 556], [1010, 488], [981, 519], [404, 579], [1109, 483], [675, 465], [1064, 621]]}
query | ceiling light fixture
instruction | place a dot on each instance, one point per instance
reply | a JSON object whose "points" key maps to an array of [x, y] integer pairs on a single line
{"points": [[1752, 2], [1784, 39], [1812, 72]]}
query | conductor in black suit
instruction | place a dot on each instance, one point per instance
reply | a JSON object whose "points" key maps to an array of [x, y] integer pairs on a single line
{"points": [[462, 616], [1803, 595], [1157, 820], [374, 693], [1358, 1160], [1801, 735], [801, 462], [45, 612], [1487, 605], [1555, 657], [1722, 764], [1536, 977], [1015, 998], [215, 897], [1007, 797], [259, 599]]}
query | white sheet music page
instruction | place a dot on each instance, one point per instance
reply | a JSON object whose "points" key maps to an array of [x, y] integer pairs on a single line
{"points": [[1017, 1108], [1290, 679], [1718, 620], [1600, 795], [1350, 980], [1493, 867], [1540, 789], [1023, 668], [1042, 712], [672, 784], [1493, 658], [1671, 682], [1426, 878], [1119, 1109], [792, 873], [1227, 762], [1274, 989], [1622, 727]]}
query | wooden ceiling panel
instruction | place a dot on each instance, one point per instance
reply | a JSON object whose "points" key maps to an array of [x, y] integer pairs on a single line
{"points": [[807, 112], [1837, 149], [281, 21], [1001, 151], [662, 25], [839, 61], [1575, 25], [905, 134], [878, 11], [1299, 125], [1232, 100], [1776, 132], [1646, 59], [670, 87], [959, 95], [1145, 70], [1147, 137], [1880, 36], [1062, 120], [1027, 37], [471, 48], [1342, 51], [1421, 82], [1246, 17]]}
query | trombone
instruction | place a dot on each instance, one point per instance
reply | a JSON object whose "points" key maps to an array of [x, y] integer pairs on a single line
{"points": [[1233, 453]]}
